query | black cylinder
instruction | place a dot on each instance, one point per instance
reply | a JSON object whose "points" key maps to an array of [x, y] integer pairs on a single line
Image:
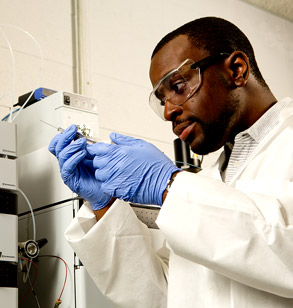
{"points": [[183, 159]]}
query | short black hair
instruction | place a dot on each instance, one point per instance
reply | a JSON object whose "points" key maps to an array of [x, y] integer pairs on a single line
{"points": [[215, 35]]}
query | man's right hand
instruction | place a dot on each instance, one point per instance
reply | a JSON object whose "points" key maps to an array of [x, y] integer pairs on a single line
{"points": [[76, 167]]}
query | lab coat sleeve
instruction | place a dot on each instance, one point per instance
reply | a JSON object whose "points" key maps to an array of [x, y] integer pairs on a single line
{"points": [[244, 232], [117, 253]]}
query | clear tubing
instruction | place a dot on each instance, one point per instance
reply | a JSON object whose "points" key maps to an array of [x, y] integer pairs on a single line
{"points": [[42, 67], [13, 72]]}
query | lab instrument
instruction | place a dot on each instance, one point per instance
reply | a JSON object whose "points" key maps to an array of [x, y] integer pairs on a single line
{"points": [[60, 109], [53, 202], [34, 97], [8, 216]]}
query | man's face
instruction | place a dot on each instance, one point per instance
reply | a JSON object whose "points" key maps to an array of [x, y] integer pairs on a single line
{"points": [[206, 121]]}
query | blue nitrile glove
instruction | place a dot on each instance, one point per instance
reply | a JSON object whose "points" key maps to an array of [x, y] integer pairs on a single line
{"points": [[132, 169], [76, 167]]}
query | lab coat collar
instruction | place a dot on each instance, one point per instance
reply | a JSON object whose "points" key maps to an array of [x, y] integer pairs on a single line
{"points": [[285, 112], [260, 132]]}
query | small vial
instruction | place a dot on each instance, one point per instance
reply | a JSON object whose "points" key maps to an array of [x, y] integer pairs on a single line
{"points": [[79, 135]]}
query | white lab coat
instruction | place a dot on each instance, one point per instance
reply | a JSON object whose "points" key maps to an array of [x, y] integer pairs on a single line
{"points": [[227, 245]]}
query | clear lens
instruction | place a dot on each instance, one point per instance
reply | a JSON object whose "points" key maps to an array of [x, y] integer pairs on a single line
{"points": [[157, 106], [176, 87]]}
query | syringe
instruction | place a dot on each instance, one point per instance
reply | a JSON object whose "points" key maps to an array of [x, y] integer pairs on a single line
{"points": [[78, 135]]}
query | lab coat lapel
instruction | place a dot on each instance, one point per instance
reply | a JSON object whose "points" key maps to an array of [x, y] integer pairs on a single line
{"points": [[285, 115]]}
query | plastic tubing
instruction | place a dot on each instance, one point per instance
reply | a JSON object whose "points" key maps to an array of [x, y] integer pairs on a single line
{"points": [[13, 71], [42, 67]]}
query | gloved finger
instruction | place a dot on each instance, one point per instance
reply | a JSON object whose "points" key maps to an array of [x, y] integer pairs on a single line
{"points": [[100, 162], [125, 140], [71, 149], [69, 166], [102, 175], [53, 143], [88, 155], [99, 148], [65, 138]]}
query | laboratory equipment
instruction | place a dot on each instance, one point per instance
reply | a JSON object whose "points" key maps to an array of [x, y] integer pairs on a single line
{"points": [[8, 178], [53, 202], [184, 159], [8, 216], [33, 97]]}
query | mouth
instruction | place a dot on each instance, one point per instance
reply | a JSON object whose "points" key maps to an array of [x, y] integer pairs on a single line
{"points": [[184, 129]]}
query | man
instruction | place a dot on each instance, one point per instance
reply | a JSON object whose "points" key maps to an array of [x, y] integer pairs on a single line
{"points": [[228, 229]]}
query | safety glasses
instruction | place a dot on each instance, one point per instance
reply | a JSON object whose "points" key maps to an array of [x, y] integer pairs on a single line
{"points": [[180, 84]]}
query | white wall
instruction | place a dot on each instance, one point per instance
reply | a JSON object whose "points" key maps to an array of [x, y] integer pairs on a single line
{"points": [[119, 37]]}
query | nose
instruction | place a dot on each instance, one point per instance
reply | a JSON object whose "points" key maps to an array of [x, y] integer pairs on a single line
{"points": [[171, 111]]}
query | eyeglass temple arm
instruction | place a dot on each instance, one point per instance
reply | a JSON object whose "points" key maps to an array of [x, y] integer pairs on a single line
{"points": [[209, 60]]}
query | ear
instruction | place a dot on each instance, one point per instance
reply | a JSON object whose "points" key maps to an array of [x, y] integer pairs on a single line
{"points": [[239, 68]]}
